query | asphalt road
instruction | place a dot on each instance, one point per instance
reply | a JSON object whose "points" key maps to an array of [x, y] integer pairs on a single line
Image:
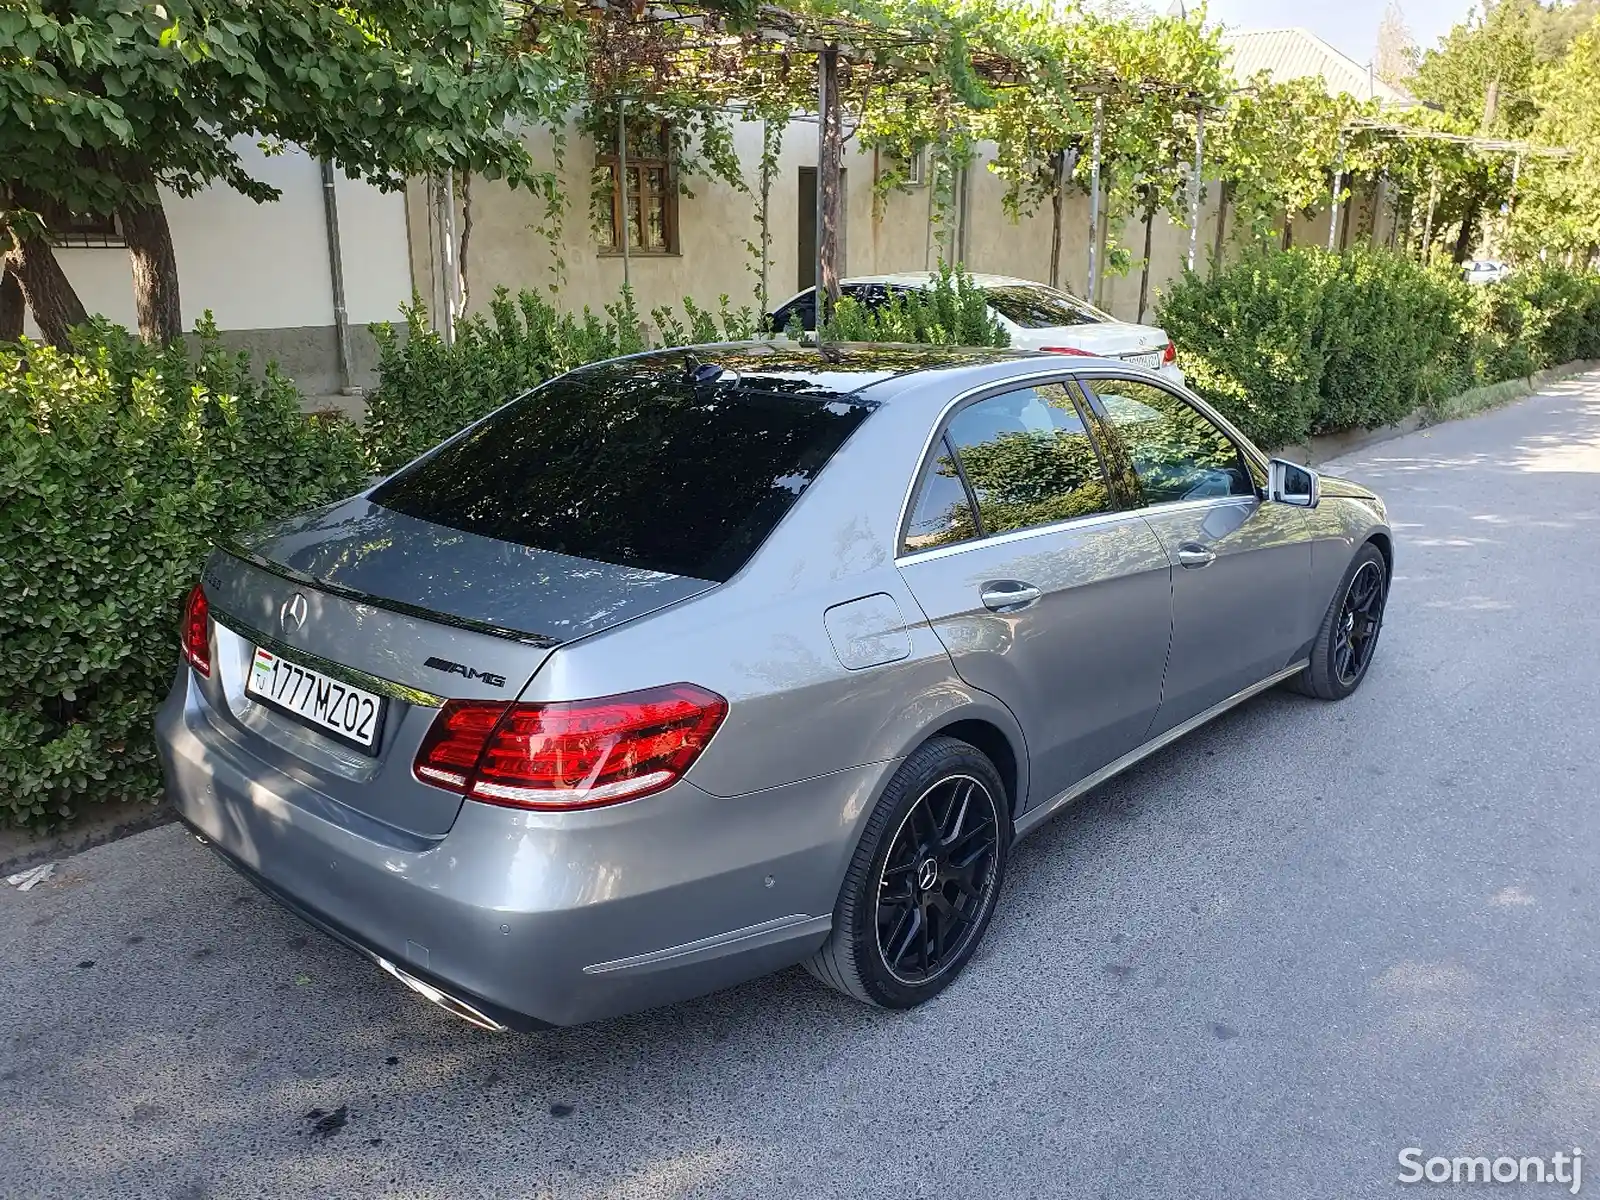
{"points": [[1258, 965]]}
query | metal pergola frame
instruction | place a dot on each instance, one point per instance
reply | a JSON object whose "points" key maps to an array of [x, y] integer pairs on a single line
{"points": [[777, 33]]}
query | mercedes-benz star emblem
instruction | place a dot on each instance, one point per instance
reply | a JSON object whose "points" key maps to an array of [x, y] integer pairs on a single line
{"points": [[293, 613], [927, 874]]}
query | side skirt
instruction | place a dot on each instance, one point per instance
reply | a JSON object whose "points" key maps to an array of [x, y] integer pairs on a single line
{"points": [[1038, 815]]}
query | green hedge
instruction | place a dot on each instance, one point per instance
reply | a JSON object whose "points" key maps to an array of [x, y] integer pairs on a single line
{"points": [[1300, 342], [952, 311], [119, 467], [428, 390]]}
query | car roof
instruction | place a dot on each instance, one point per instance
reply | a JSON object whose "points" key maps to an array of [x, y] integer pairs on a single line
{"points": [[922, 279], [839, 370]]}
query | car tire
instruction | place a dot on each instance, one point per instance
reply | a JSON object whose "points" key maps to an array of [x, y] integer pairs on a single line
{"points": [[1330, 675], [924, 879]]}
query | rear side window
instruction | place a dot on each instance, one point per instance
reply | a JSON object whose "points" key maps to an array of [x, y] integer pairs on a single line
{"points": [[1039, 307], [1029, 459], [631, 466]]}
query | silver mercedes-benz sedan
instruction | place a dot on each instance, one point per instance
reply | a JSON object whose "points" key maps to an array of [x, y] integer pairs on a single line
{"points": [[690, 666]]}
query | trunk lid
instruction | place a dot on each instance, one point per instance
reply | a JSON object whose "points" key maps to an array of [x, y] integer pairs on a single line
{"points": [[1110, 341], [408, 610]]}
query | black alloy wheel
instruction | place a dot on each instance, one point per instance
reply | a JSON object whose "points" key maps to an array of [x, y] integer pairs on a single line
{"points": [[1348, 636], [936, 879], [924, 881], [1360, 617]]}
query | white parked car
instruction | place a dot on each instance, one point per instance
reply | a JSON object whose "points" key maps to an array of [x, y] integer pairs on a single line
{"points": [[1485, 270], [1036, 316]]}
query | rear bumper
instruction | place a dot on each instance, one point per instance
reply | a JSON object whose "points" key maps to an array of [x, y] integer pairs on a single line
{"points": [[534, 918]]}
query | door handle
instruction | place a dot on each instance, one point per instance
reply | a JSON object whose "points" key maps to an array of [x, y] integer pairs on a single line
{"points": [[1008, 595], [1194, 556]]}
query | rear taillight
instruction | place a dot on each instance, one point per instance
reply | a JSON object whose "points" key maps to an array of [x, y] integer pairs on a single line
{"points": [[1169, 354], [1067, 350], [196, 631], [572, 753]]}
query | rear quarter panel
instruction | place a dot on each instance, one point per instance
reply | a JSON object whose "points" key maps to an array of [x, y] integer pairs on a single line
{"points": [[762, 639]]}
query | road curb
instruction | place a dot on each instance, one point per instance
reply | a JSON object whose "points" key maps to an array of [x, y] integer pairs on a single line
{"points": [[20, 849]]}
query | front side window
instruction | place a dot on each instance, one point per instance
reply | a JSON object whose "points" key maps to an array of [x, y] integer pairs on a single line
{"points": [[1165, 450], [648, 196], [627, 464], [1029, 459]]}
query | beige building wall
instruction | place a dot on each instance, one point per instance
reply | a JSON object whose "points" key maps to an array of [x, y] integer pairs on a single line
{"points": [[262, 270], [716, 222]]}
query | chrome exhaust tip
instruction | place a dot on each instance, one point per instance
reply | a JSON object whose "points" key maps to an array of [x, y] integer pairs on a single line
{"points": [[455, 1007]]}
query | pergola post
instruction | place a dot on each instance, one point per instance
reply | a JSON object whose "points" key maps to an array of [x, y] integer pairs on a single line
{"points": [[1194, 183], [830, 147], [1338, 186], [1094, 197], [622, 182]]}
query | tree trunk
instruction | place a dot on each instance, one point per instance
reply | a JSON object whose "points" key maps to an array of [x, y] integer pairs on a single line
{"points": [[155, 271], [1100, 255], [47, 290], [12, 305], [1057, 199], [1464, 238], [1222, 225], [466, 234], [828, 167], [1144, 275]]}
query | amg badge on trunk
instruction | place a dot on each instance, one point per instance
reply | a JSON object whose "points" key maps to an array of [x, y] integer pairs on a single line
{"points": [[455, 668]]}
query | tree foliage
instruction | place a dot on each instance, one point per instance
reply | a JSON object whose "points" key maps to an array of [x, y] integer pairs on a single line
{"points": [[1493, 52], [107, 101], [1559, 207]]}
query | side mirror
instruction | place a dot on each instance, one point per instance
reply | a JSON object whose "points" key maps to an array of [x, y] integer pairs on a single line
{"points": [[1290, 483]]}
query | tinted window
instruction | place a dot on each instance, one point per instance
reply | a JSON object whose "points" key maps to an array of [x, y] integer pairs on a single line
{"points": [[873, 296], [631, 465], [1029, 459], [1172, 452], [943, 513], [1034, 306], [805, 307]]}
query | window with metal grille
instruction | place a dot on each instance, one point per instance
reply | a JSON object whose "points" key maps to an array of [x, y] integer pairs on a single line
{"points": [[649, 195], [86, 229]]}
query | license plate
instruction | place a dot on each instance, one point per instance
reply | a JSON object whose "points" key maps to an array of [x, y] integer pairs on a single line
{"points": [[1151, 360], [345, 713]]}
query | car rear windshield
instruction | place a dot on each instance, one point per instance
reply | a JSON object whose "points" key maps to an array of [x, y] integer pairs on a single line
{"points": [[1041, 307], [627, 464]]}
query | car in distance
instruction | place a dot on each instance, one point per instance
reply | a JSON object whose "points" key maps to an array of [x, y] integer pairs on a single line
{"points": [[1034, 315], [686, 667], [1485, 270]]}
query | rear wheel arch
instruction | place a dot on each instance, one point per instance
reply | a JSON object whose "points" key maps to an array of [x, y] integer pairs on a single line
{"points": [[986, 736]]}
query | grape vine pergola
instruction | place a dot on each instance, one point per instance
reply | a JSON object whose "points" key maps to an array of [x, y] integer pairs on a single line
{"points": [[932, 69], [1390, 134]]}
